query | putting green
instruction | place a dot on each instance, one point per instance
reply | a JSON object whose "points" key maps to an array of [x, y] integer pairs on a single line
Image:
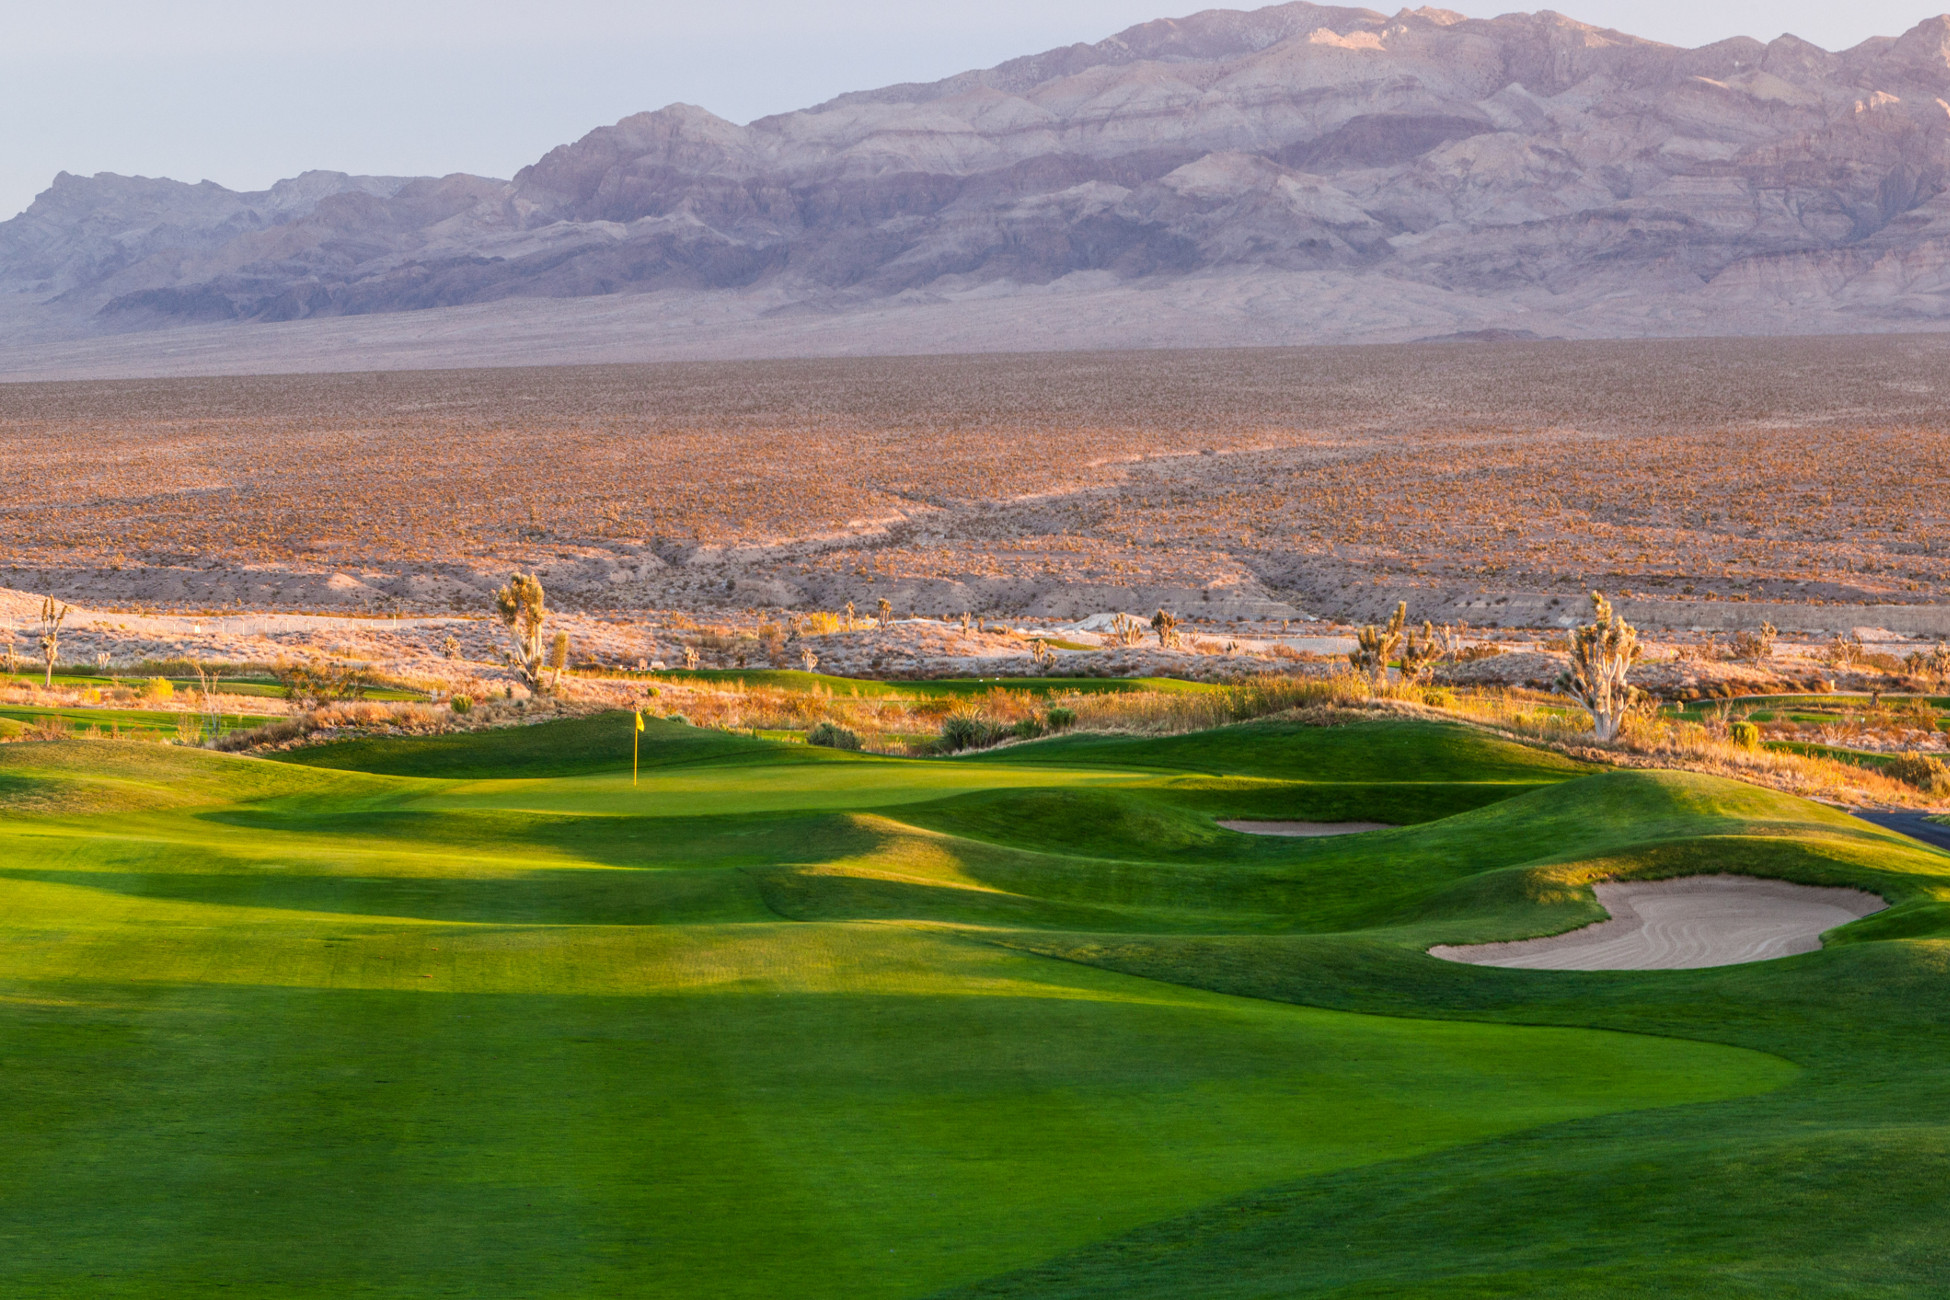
{"points": [[785, 1023]]}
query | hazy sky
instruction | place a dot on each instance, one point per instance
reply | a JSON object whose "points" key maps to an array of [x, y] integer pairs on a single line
{"points": [[243, 93]]}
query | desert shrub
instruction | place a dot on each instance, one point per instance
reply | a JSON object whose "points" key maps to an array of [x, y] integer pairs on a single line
{"points": [[1029, 729], [158, 689], [965, 729], [48, 727], [1439, 697], [1845, 651], [323, 683], [678, 718], [1061, 719], [1924, 771], [1744, 734], [461, 704], [271, 733], [1755, 647], [820, 624], [829, 736]]}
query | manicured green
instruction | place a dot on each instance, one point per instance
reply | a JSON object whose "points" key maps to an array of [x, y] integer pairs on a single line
{"points": [[475, 1015]]}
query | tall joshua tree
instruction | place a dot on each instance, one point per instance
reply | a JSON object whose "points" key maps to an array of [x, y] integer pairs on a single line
{"points": [[1602, 653], [1375, 647], [53, 615], [522, 610], [1166, 626]]}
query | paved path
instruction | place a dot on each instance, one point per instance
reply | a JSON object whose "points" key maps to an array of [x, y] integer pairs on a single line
{"points": [[1911, 824]]}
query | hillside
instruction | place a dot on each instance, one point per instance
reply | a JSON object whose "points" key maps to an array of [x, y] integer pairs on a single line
{"points": [[1292, 173]]}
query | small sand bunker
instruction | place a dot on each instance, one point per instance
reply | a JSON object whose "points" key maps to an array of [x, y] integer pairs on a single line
{"points": [[1305, 830], [1682, 924]]}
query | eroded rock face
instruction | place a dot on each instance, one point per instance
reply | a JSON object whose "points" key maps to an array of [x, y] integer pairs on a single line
{"points": [[1526, 154]]}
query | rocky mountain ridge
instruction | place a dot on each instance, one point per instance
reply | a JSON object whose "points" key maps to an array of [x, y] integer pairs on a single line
{"points": [[1576, 178]]}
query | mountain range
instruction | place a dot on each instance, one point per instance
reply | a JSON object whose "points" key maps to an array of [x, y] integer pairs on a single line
{"points": [[1295, 173]]}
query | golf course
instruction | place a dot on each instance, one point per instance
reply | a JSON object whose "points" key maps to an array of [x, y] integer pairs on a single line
{"points": [[479, 1014]]}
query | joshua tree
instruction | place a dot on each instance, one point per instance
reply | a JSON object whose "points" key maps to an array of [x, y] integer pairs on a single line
{"points": [[13, 662], [966, 619], [520, 607], [1039, 651], [558, 660], [1166, 626], [690, 657], [808, 658], [451, 646], [1125, 630], [849, 616], [884, 611], [1375, 646], [52, 616], [1421, 653], [1602, 653], [1755, 647]]}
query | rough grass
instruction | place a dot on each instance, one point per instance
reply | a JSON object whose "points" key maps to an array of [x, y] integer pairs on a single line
{"points": [[473, 1014]]}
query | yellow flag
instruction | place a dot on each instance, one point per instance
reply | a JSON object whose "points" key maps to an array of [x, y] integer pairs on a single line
{"points": [[639, 719]]}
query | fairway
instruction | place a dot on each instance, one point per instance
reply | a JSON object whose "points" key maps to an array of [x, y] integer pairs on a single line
{"points": [[474, 1015]]}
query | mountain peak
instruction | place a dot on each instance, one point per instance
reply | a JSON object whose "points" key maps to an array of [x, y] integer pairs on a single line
{"points": [[1480, 170]]}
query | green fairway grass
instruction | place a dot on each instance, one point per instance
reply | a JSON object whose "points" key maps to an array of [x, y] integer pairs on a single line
{"points": [[475, 1015], [151, 722]]}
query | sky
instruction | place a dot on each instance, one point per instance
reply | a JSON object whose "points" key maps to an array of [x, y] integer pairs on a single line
{"points": [[244, 92]]}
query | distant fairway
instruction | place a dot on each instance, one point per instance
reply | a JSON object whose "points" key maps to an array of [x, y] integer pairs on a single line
{"points": [[471, 1016]]}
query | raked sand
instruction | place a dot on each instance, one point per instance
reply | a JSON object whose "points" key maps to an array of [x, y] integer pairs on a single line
{"points": [[1681, 924]]}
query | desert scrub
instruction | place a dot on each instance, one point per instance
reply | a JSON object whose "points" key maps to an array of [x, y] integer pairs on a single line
{"points": [[1925, 772], [828, 736]]}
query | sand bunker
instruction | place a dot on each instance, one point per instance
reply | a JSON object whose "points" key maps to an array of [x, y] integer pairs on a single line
{"points": [[1682, 924], [1305, 829]]}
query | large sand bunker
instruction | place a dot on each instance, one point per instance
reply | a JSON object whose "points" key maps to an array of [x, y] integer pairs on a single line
{"points": [[1681, 924]]}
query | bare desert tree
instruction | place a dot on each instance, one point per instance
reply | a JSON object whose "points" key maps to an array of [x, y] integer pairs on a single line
{"points": [[1375, 647], [1166, 626], [53, 614], [1602, 653], [522, 610]]}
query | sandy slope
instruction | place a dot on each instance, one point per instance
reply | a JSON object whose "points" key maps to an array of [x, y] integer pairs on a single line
{"points": [[1686, 923]]}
